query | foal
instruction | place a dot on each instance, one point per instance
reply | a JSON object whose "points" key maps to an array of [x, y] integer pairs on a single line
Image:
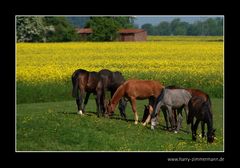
{"points": [[135, 90], [201, 110]]}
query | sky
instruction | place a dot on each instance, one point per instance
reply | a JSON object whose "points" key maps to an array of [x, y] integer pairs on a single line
{"points": [[154, 20]]}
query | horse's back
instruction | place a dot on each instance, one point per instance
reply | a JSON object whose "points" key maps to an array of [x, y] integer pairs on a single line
{"points": [[118, 78], [197, 108], [199, 93], [79, 71], [143, 82], [143, 88], [177, 96], [92, 81]]}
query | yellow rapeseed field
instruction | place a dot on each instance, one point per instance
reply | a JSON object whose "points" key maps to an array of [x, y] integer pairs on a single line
{"points": [[167, 61]]}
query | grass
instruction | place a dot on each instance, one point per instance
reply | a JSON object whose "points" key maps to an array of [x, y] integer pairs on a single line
{"points": [[55, 126]]}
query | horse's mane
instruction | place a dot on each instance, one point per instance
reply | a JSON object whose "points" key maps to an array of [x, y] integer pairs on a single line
{"points": [[118, 95], [173, 87], [159, 98]]}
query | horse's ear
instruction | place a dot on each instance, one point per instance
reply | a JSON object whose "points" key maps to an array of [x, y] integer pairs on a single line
{"points": [[145, 106]]}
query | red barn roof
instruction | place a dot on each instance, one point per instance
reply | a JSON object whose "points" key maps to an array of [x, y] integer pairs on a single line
{"points": [[84, 30]]}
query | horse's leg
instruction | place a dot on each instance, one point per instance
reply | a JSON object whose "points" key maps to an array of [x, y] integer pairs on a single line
{"points": [[165, 118], [192, 128], [203, 127], [186, 113], [78, 105], [171, 118], [175, 116], [102, 103], [151, 102], [98, 101], [133, 103], [86, 100], [122, 107], [194, 132], [80, 101], [179, 121]]}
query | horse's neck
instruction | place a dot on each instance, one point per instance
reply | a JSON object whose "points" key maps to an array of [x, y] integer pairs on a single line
{"points": [[209, 122], [117, 96]]}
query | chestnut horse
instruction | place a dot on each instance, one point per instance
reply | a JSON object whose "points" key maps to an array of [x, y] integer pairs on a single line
{"points": [[135, 90]]}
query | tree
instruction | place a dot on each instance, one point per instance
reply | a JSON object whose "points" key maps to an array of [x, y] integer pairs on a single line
{"points": [[78, 21], [163, 29], [178, 27], [105, 28], [62, 30], [30, 29], [148, 28]]}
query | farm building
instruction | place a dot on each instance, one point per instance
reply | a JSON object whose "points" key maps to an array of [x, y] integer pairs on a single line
{"points": [[84, 32], [124, 34], [132, 35]]}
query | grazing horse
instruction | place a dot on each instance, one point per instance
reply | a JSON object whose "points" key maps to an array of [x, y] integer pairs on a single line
{"points": [[193, 92], [96, 83], [110, 82], [201, 110], [135, 90], [172, 99]]}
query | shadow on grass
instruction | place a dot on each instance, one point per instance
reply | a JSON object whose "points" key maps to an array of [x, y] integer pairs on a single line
{"points": [[164, 128], [89, 113]]}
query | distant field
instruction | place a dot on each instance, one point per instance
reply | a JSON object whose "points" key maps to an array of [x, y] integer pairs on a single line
{"points": [[44, 69], [55, 126], [185, 38]]}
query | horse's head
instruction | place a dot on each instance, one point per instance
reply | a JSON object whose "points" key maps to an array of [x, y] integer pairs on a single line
{"points": [[211, 136]]}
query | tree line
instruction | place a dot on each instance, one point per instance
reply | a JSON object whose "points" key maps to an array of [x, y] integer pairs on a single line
{"points": [[60, 29], [209, 27]]}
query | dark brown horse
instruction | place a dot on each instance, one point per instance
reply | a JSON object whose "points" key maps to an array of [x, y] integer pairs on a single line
{"points": [[201, 110], [85, 83], [135, 90]]}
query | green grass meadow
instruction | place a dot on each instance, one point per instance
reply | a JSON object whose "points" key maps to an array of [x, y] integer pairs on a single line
{"points": [[55, 126]]}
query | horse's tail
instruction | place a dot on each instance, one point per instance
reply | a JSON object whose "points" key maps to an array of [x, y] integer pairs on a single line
{"points": [[159, 98], [75, 85]]}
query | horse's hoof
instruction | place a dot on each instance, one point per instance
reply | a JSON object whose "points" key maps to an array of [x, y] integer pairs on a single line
{"points": [[152, 127], [144, 124], [80, 112], [175, 132], [135, 122]]}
